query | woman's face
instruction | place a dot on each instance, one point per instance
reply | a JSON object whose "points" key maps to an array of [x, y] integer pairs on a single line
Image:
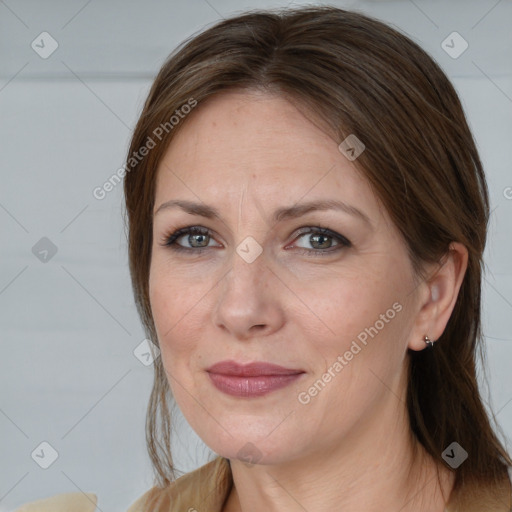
{"points": [[337, 307]]}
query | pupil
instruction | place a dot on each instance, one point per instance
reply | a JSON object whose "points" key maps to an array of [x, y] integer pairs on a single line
{"points": [[316, 237], [197, 236]]}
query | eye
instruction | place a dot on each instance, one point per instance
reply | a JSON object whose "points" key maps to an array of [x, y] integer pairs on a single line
{"points": [[322, 240], [197, 237]]}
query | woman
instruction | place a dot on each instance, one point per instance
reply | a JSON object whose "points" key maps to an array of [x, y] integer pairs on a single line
{"points": [[307, 215]]}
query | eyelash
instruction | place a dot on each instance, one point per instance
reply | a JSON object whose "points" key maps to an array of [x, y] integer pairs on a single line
{"points": [[170, 240]]}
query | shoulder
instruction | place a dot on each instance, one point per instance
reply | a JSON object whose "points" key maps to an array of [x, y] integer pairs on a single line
{"points": [[206, 488], [73, 501]]}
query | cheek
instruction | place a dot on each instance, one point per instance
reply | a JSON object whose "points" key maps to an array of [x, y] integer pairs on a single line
{"points": [[362, 355], [174, 349], [177, 304], [352, 302], [172, 296], [364, 318], [169, 309]]}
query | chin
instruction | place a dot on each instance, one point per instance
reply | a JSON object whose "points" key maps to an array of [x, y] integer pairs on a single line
{"points": [[257, 443]]}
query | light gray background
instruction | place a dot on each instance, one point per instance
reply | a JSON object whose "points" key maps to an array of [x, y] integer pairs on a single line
{"points": [[68, 375]]}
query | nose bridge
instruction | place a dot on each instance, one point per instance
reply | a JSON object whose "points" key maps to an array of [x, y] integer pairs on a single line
{"points": [[248, 275], [244, 298], [248, 257]]}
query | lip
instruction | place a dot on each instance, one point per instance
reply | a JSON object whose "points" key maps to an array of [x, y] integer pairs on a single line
{"points": [[255, 369], [251, 380]]}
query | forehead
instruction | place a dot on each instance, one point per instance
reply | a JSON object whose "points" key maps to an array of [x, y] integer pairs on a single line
{"points": [[252, 142]]}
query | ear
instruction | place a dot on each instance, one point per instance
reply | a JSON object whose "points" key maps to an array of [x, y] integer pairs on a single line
{"points": [[438, 295]]}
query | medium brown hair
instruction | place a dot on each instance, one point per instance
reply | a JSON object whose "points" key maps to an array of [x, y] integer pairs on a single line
{"points": [[362, 77]]}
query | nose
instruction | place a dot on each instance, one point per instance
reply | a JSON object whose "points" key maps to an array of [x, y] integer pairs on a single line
{"points": [[248, 299]]}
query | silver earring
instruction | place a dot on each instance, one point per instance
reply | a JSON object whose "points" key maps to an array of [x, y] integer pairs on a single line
{"points": [[428, 341]]}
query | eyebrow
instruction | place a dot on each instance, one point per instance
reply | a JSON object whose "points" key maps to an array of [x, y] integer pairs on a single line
{"points": [[280, 214]]}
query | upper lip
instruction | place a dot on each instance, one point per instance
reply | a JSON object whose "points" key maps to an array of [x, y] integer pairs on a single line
{"points": [[252, 369]]}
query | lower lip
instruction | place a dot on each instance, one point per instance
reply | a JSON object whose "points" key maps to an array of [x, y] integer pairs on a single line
{"points": [[251, 386]]}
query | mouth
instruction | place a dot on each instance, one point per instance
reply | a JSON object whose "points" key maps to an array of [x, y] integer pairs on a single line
{"points": [[251, 380]]}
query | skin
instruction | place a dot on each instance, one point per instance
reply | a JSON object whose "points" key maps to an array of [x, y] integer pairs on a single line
{"points": [[350, 448]]}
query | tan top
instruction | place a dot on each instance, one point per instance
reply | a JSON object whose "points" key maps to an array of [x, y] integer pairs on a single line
{"points": [[208, 487]]}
